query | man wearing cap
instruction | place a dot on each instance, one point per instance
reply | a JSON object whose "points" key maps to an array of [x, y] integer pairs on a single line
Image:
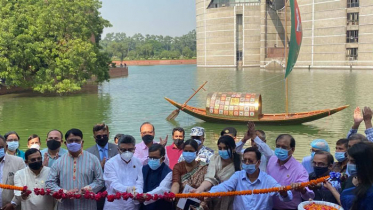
{"points": [[258, 140], [204, 153], [316, 145], [230, 131]]}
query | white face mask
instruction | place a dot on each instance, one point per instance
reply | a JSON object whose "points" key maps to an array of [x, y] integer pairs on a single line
{"points": [[126, 156], [35, 146]]}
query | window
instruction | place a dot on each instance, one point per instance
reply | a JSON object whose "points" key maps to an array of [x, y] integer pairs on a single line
{"points": [[353, 18], [351, 53], [352, 36], [352, 3], [239, 55]]}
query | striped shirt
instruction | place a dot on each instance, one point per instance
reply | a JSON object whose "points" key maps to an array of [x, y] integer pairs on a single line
{"points": [[69, 173]]}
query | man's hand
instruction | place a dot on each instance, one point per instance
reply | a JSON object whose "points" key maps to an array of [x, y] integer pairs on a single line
{"points": [[251, 130], [86, 189], [46, 159], [367, 116], [298, 187], [142, 199], [103, 162], [163, 142], [358, 118], [314, 186], [283, 192], [24, 195], [8, 206]]}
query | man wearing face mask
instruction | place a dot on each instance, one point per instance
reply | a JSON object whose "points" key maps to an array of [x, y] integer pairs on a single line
{"points": [[340, 155], [53, 150], [322, 164], [103, 150], [250, 178], [12, 139], [286, 170], [147, 133], [33, 176], [174, 151], [9, 165], [204, 153], [123, 173], [154, 173], [76, 172], [316, 145], [33, 141]]}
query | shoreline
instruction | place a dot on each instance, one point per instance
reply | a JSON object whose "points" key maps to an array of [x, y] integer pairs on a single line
{"points": [[156, 62]]}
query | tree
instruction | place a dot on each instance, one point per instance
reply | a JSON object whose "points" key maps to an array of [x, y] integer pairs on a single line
{"points": [[187, 52], [52, 45]]}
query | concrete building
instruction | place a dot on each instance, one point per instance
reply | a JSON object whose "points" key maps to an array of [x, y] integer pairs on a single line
{"points": [[251, 33]]}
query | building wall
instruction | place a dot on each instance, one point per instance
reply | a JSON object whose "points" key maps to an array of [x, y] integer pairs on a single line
{"points": [[324, 43]]}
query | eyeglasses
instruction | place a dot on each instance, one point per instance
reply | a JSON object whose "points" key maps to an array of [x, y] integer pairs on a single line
{"points": [[69, 141], [147, 133], [129, 150], [11, 140], [32, 160], [101, 136], [319, 164], [153, 158], [248, 161]]}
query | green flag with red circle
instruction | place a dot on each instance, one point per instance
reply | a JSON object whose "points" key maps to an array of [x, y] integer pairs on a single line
{"points": [[295, 36]]}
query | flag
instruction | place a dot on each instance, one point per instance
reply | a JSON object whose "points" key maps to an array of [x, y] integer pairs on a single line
{"points": [[295, 36]]}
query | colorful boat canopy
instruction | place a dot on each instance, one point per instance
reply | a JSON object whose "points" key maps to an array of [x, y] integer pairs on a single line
{"points": [[234, 105]]}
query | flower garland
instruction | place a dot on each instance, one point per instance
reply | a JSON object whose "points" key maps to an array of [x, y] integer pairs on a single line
{"points": [[147, 197]]}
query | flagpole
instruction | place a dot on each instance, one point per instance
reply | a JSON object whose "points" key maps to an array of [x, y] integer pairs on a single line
{"points": [[286, 45]]}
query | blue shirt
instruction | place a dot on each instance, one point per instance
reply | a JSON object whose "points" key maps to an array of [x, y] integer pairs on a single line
{"points": [[368, 133], [307, 164], [103, 151], [348, 197], [239, 181], [61, 152]]}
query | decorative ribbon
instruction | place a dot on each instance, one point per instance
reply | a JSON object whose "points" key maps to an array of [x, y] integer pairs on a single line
{"points": [[144, 196]]}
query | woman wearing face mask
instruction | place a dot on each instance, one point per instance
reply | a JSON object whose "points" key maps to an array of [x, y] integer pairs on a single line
{"points": [[222, 166], [189, 172], [360, 167], [12, 139]]}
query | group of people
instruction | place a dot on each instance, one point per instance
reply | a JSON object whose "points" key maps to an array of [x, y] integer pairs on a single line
{"points": [[186, 166]]}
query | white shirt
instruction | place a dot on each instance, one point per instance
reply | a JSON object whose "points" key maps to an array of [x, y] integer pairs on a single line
{"points": [[122, 177], [1, 179], [263, 148], [164, 186], [25, 177]]}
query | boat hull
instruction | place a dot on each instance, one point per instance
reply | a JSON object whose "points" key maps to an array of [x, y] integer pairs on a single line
{"points": [[290, 118]]}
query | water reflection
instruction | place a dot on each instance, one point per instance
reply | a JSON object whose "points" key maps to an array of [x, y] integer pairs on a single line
{"points": [[125, 103]]}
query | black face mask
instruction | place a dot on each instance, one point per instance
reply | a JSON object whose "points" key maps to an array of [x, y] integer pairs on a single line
{"points": [[319, 171], [102, 141], [178, 142], [53, 144], [147, 139], [35, 165]]}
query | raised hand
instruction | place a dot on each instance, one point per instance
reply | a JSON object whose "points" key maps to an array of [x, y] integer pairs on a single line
{"points": [[163, 142], [358, 118], [251, 130], [46, 159]]}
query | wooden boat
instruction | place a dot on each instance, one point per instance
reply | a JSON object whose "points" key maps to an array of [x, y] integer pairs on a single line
{"points": [[258, 118], [236, 107]]}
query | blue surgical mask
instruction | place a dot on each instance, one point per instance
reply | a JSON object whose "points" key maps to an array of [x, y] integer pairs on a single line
{"points": [[13, 145], [199, 142], [282, 154], [340, 156], [154, 164], [225, 154], [2, 152], [351, 169], [74, 147], [312, 155], [189, 156], [249, 168]]}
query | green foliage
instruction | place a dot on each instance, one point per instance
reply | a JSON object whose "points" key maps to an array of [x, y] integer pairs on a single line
{"points": [[46, 44], [150, 46]]}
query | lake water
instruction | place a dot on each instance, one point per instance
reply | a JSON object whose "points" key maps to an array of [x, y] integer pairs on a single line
{"points": [[125, 103]]}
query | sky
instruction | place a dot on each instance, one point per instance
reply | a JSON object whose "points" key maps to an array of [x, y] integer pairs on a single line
{"points": [[154, 17]]}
